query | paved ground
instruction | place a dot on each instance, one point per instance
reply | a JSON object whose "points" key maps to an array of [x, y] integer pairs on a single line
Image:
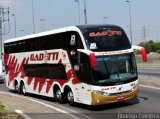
{"points": [[38, 111], [13, 103], [149, 67], [32, 109], [149, 81]]}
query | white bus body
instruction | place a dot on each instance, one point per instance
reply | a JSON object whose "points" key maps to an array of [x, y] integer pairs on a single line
{"points": [[92, 65]]}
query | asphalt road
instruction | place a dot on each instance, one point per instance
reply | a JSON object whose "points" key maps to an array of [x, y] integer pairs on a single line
{"points": [[147, 102], [149, 70]]}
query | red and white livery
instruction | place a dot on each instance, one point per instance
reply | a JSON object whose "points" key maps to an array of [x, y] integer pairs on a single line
{"points": [[89, 64]]}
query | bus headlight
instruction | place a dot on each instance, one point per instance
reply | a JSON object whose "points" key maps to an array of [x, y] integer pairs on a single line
{"points": [[101, 92], [135, 86]]}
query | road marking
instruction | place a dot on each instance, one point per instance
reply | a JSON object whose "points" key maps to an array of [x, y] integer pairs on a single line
{"points": [[145, 68], [153, 87], [55, 108], [22, 114], [149, 75]]}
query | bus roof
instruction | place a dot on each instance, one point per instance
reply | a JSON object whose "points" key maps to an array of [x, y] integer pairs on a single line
{"points": [[82, 27], [60, 30]]}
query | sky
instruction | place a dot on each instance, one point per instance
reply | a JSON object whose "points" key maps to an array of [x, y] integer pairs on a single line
{"points": [[53, 14]]}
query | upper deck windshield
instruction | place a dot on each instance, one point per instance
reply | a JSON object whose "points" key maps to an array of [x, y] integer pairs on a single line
{"points": [[107, 38]]}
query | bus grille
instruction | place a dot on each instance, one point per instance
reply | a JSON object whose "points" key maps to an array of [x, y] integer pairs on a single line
{"points": [[119, 93]]}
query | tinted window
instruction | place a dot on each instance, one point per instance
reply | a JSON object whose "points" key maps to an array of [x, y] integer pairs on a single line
{"points": [[66, 40], [56, 41], [50, 71], [106, 39], [14, 47], [30, 44]]}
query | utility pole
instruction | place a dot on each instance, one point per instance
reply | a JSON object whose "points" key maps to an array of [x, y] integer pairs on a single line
{"points": [[78, 12], [105, 20], [85, 12], [43, 20], [3, 13], [130, 20], [33, 17], [144, 34], [15, 26]]}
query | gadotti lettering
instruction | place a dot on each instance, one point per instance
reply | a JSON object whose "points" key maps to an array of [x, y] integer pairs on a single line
{"points": [[105, 33], [41, 56]]}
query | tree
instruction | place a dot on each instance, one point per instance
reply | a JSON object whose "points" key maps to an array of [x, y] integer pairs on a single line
{"points": [[151, 46]]}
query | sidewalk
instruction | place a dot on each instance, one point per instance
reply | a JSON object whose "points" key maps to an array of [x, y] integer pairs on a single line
{"points": [[31, 109]]}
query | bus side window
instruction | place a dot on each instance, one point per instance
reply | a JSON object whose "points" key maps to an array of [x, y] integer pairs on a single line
{"points": [[31, 45], [53, 41]]}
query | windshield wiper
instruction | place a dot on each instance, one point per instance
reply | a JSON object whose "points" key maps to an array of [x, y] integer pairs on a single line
{"points": [[107, 74], [106, 68]]}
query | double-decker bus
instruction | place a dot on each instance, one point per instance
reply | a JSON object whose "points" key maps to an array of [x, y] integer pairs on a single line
{"points": [[89, 64]]}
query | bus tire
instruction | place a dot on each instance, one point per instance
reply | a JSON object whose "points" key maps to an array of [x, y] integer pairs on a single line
{"points": [[23, 89], [16, 87], [59, 96], [70, 97]]}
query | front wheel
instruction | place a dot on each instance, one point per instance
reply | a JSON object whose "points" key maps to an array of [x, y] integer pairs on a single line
{"points": [[70, 97], [59, 96], [23, 89]]}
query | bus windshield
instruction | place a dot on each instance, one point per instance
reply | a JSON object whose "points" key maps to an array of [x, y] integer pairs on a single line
{"points": [[115, 68], [102, 40]]}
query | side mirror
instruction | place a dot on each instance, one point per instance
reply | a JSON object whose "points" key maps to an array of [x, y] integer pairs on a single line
{"points": [[142, 51], [144, 54], [92, 58]]}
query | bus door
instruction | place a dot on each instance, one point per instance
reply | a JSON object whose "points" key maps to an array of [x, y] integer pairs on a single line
{"points": [[79, 65], [77, 60]]}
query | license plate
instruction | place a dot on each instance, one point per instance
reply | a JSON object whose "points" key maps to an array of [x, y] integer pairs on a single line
{"points": [[120, 98]]}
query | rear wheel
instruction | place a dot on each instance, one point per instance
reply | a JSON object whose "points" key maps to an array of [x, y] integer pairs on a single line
{"points": [[16, 87], [70, 97]]}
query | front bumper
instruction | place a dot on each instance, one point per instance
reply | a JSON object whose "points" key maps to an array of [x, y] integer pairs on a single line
{"points": [[98, 99]]}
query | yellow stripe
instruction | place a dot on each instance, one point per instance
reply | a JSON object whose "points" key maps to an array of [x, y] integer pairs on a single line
{"points": [[98, 99]]}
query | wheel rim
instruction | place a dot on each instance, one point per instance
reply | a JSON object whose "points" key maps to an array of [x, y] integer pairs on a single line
{"points": [[70, 96], [16, 87], [58, 94], [23, 89]]}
